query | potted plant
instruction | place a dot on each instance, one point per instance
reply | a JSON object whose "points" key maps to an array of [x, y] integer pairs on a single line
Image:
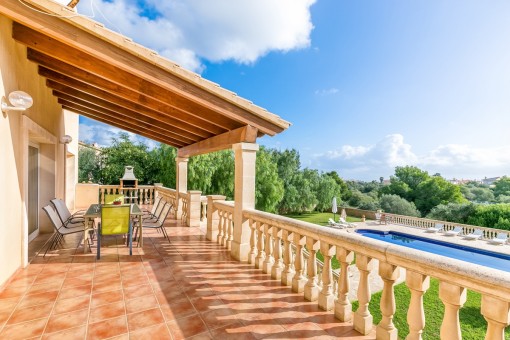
{"points": [[117, 201]]}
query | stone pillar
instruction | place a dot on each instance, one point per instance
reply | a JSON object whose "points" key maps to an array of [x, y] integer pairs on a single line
{"points": [[194, 205], [213, 218], [244, 196], [181, 182], [497, 314], [453, 298]]}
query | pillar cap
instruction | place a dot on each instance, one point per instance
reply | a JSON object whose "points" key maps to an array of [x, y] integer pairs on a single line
{"points": [[195, 192], [245, 146], [217, 197]]}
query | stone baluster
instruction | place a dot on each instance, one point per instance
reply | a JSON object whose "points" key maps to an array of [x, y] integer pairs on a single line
{"points": [[326, 296], [311, 287], [453, 298], [225, 230], [268, 263], [230, 231], [299, 280], [343, 307], [288, 270], [386, 329], [221, 217], [253, 242], [418, 285], [362, 317], [261, 254], [276, 270], [497, 314]]}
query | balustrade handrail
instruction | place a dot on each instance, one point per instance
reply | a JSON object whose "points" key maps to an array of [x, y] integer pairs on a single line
{"points": [[473, 277], [423, 223], [227, 206]]}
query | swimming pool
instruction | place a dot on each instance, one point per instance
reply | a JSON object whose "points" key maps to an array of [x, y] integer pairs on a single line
{"points": [[459, 252]]}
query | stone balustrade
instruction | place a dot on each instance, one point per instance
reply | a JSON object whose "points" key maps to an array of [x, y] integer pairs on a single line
{"points": [[277, 246], [143, 194]]}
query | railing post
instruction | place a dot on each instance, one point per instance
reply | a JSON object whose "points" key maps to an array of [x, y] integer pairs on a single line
{"points": [[277, 268], [362, 317], [288, 271], [230, 231], [213, 218], [386, 329], [253, 242], [453, 298], [497, 314], [311, 288], [299, 280], [326, 296], [268, 263], [418, 285], [343, 307], [261, 254], [194, 206]]}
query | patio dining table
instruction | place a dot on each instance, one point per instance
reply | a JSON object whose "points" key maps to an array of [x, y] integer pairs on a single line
{"points": [[94, 211]]}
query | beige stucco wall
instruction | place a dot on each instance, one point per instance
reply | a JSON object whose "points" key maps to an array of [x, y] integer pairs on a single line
{"points": [[43, 124]]}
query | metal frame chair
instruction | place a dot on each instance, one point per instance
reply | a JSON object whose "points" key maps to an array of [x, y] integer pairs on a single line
{"points": [[60, 230], [68, 220], [159, 224], [115, 220]]}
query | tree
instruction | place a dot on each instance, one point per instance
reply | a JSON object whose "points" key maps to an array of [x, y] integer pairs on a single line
{"points": [[363, 201], [164, 157], [434, 191], [327, 189], [405, 182], [88, 165], [491, 216], [502, 186], [269, 187], [452, 212], [124, 152], [397, 205], [344, 189]]}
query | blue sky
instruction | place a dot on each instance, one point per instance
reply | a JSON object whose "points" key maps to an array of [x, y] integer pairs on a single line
{"points": [[367, 85]]}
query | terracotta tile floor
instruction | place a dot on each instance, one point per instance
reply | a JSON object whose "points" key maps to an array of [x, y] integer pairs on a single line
{"points": [[188, 288]]}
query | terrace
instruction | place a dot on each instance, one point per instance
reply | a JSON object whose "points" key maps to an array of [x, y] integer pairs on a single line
{"points": [[229, 270]]}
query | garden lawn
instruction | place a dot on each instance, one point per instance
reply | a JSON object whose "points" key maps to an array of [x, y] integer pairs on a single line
{"points": [[472, 323]]}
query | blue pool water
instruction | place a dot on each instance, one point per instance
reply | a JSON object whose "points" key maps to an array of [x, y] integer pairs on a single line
{"points": [[469, 254]]}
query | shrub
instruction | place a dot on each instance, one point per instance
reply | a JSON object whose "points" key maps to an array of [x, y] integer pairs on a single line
{"points": [[398, 205], [452, 212], [491, 216]]}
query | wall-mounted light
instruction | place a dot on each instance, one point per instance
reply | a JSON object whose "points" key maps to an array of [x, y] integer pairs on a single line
{"points": [[66, 139], [18, 101]]}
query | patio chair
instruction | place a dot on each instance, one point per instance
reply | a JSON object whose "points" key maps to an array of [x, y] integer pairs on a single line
{"points": [[475, 235], [60, 230], [115, 220], [437, 228], [159, 224], [333, 224], [151, 214], [68, 220], [501, 238], [342, 221], [157, 212], [456, 231], [110, 198]]}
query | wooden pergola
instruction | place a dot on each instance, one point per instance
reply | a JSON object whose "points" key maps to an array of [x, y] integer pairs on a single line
{"points": [[107, 77]]}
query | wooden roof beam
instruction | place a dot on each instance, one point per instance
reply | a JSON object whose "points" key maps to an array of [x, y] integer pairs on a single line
{"points": [[59, 71], [120, 123], [133, 121], [247, 134]]}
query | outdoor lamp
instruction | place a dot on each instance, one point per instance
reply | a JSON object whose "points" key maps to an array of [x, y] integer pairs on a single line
{"points": [[66, 139], [18, 101]]}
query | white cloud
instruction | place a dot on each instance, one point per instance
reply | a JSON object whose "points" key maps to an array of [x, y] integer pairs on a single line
{"points": [[326, 92], [102, 134], [369, 162], [186, 31]]}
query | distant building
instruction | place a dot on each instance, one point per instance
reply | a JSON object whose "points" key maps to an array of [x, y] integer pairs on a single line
{"points": [[490, 181]]}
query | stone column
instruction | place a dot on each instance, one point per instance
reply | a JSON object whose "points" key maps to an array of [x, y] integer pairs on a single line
{"points": [[244, 196], [453, 298], [181, 182], [362, 317], [343, 307], [386, 329], [326, 296], [213, 218], [311, 288], [288, 260], [299, 280]]}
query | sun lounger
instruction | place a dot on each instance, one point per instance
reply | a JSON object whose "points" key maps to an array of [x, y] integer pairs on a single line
{"points": [[456, 231], [475, 235], [333, 224], [501, 238], [437, 228], [345, 223]]}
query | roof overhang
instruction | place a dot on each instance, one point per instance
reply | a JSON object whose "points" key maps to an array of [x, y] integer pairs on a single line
{"points": [[105, 76]]}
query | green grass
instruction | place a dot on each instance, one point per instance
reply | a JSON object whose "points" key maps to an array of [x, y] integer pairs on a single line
{"points": [[473, 325]]}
